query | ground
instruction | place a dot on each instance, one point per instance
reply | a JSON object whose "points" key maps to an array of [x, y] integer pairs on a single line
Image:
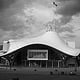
{"points": [[39, 74]]}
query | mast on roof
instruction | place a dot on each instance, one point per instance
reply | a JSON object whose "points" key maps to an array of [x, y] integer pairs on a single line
{"points": [[55, 4], [50, 27]]}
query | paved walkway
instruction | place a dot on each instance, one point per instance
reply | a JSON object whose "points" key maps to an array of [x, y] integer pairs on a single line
{"points": [[23, 73], [29, 70]]}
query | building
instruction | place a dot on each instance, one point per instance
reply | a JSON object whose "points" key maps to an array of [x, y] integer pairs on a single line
{"points": [[47, 50]]}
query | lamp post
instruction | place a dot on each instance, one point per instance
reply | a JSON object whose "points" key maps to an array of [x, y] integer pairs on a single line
{"points": [[63, 61], [75, 64]]}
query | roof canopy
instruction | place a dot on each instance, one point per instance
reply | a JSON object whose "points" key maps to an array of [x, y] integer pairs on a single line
{"points": [[50, 38]]}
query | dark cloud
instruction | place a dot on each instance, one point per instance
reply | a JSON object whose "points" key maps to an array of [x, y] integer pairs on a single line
{"points": [[70, 36], [9, 8], [16, 6], [6, 4], [62, 0], [69, 7], [64, 29], [65, 19]]}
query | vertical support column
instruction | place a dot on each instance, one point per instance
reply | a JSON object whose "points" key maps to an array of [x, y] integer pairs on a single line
{"points": [[25, 63], [40, 64], [10, 62], [63, 63], [52, 63], [29, 64], [58, 64], [46, 63], [75, 64]]}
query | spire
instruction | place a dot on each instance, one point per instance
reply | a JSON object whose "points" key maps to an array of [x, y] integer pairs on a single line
{"points": [[51, 26]]}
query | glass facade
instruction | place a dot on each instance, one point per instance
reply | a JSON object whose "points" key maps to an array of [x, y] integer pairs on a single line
{"points": [[39, 55]]}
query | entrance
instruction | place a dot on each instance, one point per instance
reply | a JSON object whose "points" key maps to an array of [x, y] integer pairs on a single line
{"points": [[34, 63], [38, 63]]}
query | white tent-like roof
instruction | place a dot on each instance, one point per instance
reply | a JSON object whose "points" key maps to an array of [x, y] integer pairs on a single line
{"points": [[50, 38]]}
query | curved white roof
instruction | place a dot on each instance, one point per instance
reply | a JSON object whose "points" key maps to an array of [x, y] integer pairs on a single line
{"points": [[49, 38]]}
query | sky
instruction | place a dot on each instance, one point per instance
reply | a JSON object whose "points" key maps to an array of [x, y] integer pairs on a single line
{"points": [[20, 18]]}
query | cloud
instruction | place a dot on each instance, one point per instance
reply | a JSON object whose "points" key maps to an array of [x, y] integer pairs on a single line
{"points": [[67, 36], [69, 7], [28, 17], [64, 29], [5, 35], [6, 4], [24, 17], [7, 19], [35, 18], [65, 19], [8, 8]]}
